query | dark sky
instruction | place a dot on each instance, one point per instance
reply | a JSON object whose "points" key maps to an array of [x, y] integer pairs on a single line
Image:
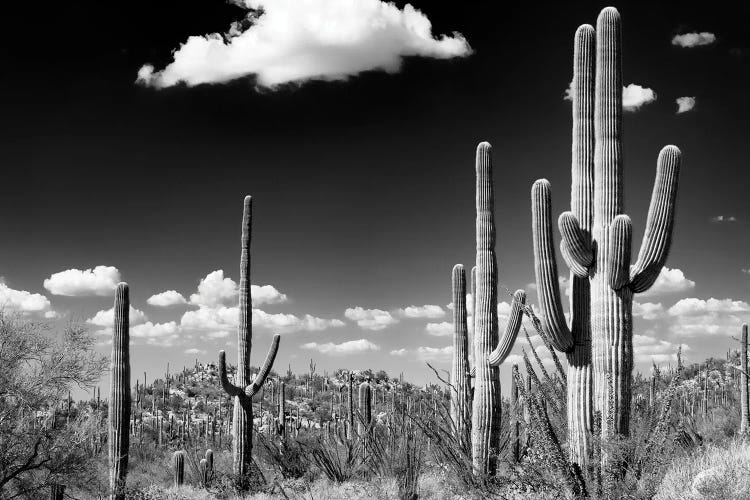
{"points": [[363, 189]]}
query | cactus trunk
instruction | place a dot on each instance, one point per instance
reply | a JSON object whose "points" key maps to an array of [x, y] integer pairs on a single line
{"points": [[178, 462], [119, 394], [744, 400], [460, 392]]}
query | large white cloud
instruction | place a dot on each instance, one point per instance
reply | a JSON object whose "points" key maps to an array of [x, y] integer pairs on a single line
{"points": [[370, 319], [166, 299], [106, 317], [669, 281], [101, 280], [690, 40], [216, 289], [298, 40], [162, 334], [693, 316], [350, 347], [21, 300], [634, 97], [647, 349]]}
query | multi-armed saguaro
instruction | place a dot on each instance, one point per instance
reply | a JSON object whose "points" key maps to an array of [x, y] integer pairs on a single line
{"points": [[489, 350], [242, 390], [119, 394], [461, 390], [596, 241]]}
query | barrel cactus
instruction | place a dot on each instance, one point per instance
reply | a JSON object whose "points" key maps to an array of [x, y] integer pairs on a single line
{"points": [[489, 350], [461, 390], [119, 394], [596, 243], [243, 389]]}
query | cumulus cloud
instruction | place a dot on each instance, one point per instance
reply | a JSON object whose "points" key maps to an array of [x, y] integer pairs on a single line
{"points": [[440, 354], [690, 40], [370, 319], [216, 322], [670, 281], [194, 350], [685, 104], [399, 352], [350, 347], [216, 289], [287, 323], [693, 316], [634, 97], [166, 299], [443, 329], [648, 310], [22, 301], [647, 349], [106, 318], [724, 218], [425, 311], [101, 280], [285, 41], [162, 334]]}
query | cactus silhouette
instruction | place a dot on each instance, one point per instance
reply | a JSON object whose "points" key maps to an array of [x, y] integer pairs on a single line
{"points": [[489, 350], [461, 391], [119, 394], [243, 390], [596, 243]]}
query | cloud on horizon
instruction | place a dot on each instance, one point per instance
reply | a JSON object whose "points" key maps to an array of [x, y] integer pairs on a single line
{"points": [[350, 347], [283, 41], [690, 40]]}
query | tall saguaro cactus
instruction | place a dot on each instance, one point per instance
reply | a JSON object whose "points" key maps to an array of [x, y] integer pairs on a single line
{"points": [[119, 394], [461, 391], [243, 390], [596, 242], [744, 400], [489, 350]]}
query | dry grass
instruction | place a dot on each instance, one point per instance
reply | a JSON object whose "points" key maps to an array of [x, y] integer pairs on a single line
{"points": [[715, 472]]}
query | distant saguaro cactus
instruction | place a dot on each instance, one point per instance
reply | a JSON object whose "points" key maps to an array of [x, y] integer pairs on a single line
{"points": [[178, 462], [209, 470], [365, 407], [119, 394], [282, 409], [461, 390], [596, 242], [350, 430], [242, 390], [489, 349], [744, 399]]}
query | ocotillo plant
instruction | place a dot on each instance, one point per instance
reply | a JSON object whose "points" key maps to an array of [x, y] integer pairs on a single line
{"points": [[119, 394], [596, 241], [461, 390], [489, 350], [744, 399], [178, 462], [242, 390]]}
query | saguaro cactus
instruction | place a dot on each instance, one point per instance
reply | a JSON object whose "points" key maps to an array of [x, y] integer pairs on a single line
{"points": [[461, 391], [282, 409], [243, 390], [489, 350], [365, 406], [596, 240], [178, 462], [119, 394], [744, 400]]}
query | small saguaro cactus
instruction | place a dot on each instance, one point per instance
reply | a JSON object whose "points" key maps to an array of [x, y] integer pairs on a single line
{"points": [[282, 409], [744, 399], [178, 462], [461, 390], [596, 243], [243, 390], [365, 406], [350, 430], [489, 350], [209, 465], [119, 394]]}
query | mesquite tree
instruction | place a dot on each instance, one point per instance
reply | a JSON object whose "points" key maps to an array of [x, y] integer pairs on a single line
{"points": [[243, 390], [596, 243]]}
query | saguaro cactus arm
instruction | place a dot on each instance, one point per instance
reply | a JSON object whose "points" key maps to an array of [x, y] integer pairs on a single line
{"points": [[660, 221], [503, 348], [260, 379], [231, 389], [576, 250], [621, 231], [545, 267]]}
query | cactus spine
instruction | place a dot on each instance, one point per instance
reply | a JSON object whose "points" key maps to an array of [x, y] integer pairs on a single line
{"points": [[744, 400], [242, 390], [461, 392], [119, 394], [178, 461], [489, 350], [596, 239]]}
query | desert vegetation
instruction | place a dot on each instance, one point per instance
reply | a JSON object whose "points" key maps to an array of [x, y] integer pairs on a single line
{"points": [[585, 426]]}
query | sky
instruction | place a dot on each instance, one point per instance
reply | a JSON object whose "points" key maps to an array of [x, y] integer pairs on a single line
{"points": [[132, 131]]}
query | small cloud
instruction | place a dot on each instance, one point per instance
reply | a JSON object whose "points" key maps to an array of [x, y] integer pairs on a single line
{"points": [[690, 40], [22, 301], [101, 281], [634, 97], [568, 94], [162, 334], [399, 352], [350, 347], [647, 349], [284, 41], [724, 218], [443, 329], [425, 311], [669, 281], [439, 354], [685, 104], [648, 310], [370, 319], [106, 318], [194, 350], [166, 299], [215, 290], [746, 271]]}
